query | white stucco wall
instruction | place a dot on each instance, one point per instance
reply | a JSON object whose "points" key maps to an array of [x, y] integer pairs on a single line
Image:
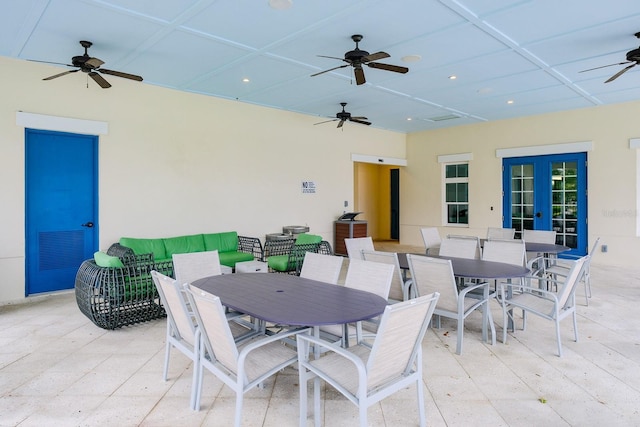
{"points": [[611, 171], [176, 163]]}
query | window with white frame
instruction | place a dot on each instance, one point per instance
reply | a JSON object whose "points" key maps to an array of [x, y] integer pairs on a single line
{"points": [[456, 193]]}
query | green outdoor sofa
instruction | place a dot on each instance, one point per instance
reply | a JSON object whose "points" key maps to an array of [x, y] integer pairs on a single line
{"points": [[115, 288]]}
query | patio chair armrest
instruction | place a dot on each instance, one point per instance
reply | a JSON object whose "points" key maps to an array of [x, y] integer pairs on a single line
{"points": [[268, 339], [549, 294], [468, 289], [251, 245], [277, 247], [308, 339]]}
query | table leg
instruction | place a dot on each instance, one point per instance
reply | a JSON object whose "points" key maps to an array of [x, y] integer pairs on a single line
{"points": [[316, 380]]}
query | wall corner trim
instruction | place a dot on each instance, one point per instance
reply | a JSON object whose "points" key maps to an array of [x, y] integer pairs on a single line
{"points": [[61, 124], [378, 160]]}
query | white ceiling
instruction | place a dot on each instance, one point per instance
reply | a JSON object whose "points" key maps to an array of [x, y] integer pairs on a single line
{"points": [[526, 51]]}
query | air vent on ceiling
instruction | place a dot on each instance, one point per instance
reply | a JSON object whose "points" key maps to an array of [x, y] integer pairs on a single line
{"points": [[443, 118]]}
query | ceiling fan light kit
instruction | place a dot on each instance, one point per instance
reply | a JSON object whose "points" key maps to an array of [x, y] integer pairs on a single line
{"points": [[91, 66]]}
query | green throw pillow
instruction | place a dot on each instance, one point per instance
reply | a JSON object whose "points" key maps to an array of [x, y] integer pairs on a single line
{"points": [[305, 239], [104, 260]]}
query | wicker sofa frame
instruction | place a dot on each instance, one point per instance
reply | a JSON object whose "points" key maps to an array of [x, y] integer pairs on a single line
{"points": [[113, 297], [296, 252]]}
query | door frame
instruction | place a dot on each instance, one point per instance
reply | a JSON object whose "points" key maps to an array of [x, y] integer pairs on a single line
{"points": [[542, 216], [61, 124]]}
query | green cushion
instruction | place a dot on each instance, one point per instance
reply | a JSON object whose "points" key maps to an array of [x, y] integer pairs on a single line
{"points": [[183, 244], [104, 260], [145, 246], [222, 242], [278, 262], [305, 238], [230, 258]]}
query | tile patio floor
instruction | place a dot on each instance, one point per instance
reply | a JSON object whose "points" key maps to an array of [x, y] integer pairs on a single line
{"points": [[58, 369]]}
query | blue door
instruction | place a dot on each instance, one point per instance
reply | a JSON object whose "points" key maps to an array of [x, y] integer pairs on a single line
{"points": [[61, 207], [548, 193]]}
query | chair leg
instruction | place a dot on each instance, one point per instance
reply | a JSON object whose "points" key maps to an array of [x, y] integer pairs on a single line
{"points": [[575, 326], [492, 326], [460, 333], [238, 415], [558, 337], [421, 412], [316, 401], [303, 394], [165, 373]]}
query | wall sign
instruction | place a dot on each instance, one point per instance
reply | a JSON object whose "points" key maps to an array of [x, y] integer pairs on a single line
{"points": [[308, 187]]}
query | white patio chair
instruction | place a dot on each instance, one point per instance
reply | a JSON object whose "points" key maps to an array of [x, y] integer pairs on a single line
{"points": [[356, 245], [539, 236], [553, 306], [366, 375], [431, 239], [397, 291], [367, 276], [324, 268], [241, 367], [182, 332], [436, 275], [192, 266], [461, 247], [500, 233], [562, 266]]}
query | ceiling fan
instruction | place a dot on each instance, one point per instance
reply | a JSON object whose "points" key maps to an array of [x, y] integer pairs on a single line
{"points": [[91, 66], [357, 58], [343, 116], [633, 58]]}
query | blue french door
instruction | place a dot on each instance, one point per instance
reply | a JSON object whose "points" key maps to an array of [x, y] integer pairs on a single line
{"points": [[61, 207], [548, 193]]}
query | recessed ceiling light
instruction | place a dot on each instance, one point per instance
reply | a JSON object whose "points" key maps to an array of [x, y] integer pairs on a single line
{"points": [[280, 4], [246, 80], [510, 101], [453, 77], [409, 119], [411, 58]]}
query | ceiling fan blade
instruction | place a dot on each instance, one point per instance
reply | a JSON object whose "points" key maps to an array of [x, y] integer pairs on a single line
{"points": [[341, 123], [362, 122], [334, 57], [359, 118], [619, 73], [326, 121], [100, 80], [94, 62], [61, 74], [375, 56], [121, 74], [49, 62], [330, 69], [605, 66], [359, 73], [388, 67]]}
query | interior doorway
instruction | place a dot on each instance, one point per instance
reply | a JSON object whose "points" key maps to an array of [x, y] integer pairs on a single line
{"points": [[377, 196]]}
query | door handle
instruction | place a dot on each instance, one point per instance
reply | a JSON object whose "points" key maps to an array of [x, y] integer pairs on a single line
{"points": [[88, 224], [538, 214]]}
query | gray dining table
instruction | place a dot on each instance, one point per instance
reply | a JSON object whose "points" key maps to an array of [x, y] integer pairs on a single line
{"points": [[291, 300]]}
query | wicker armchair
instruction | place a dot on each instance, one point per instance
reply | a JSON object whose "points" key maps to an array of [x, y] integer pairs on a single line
{"points": [[112, 297], [291, 254]]}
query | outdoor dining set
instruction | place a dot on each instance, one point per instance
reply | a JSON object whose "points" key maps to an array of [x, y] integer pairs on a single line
{"points": [[359, 328]]}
